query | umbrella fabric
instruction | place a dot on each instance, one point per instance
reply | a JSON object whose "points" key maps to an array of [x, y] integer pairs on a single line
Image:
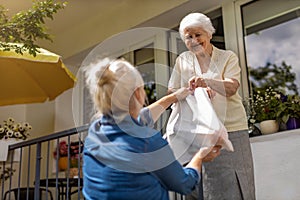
{"points": [[28, 79]]}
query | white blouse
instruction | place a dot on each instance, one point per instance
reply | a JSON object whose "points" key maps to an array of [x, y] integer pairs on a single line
{"points": [[223, 64]]}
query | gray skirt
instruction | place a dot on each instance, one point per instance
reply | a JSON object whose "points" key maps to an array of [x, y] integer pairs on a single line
{"points": [[230, 176]]}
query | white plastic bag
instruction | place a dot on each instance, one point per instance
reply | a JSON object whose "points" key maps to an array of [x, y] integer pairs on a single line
{"points": [[193, 124]]}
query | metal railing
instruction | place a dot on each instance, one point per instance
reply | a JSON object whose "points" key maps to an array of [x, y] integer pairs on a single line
{"points": [[36, 173]]}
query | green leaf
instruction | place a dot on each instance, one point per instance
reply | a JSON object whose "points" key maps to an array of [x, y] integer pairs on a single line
{"points": [[27, 26]]}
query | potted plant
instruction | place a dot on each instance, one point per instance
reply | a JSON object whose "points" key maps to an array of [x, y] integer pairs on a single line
{"points": [[265, 109], [11, 132], [69, 154], [289, 111], [76, 149], [62, 151]]}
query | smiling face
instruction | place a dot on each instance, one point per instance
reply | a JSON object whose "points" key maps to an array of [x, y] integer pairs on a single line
{"points": [[197, 40]]}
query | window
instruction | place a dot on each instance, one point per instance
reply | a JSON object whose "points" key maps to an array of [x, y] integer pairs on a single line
{"points": [[145, 62], [272, 44]]}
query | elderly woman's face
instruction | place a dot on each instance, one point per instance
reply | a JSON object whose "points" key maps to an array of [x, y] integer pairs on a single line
{"points": [[197, 39]]}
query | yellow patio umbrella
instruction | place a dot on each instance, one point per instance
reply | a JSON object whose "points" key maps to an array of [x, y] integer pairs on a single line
{"points": [[27, 79]]}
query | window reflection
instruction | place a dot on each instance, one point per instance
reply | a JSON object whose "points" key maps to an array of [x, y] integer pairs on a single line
{"points": [[144, 61], [272, 51]]}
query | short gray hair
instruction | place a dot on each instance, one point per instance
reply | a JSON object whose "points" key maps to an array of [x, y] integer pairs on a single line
{"points": [[196, 20]]}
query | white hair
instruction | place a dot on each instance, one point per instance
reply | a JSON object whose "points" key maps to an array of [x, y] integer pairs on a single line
{"points": [[196, 20], [111, 84]]}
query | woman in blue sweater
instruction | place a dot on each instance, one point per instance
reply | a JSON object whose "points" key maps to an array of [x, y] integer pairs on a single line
{"points": [[124, 158]]}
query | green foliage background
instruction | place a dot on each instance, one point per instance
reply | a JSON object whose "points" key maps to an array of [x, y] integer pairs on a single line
{"points": [[281, 78], [27, 27]]}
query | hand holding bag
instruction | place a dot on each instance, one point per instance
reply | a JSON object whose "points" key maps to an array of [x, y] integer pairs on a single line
{"points": [[193, 124]]}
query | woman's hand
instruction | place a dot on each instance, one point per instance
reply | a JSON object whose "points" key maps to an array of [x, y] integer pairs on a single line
{"points": [[208, 154], [196, 81], [226, 87], [182, 93], [205, 154]]}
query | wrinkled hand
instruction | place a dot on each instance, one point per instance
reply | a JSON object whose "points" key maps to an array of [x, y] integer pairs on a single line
{"points": [[196, 81], [182, 93], [209, 153]]}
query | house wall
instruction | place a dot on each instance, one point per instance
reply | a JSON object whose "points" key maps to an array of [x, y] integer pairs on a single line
{"points": [[276, 165], [18, 112]]}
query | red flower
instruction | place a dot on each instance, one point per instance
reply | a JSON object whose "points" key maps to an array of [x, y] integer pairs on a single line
{"points": [[73, 149], [62, 149]]}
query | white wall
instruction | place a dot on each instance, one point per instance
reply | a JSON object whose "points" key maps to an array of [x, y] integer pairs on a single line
{"points": [[39, 115], [277, 165], [63, 112], [67, 105], [17, 112]]}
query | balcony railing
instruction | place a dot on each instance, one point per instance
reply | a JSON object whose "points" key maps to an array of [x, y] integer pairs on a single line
{"points": [[36, 171]]}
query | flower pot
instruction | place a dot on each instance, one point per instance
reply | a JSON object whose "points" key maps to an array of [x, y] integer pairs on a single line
{"points": [[63, 163], [269, 126], [293, 123]]}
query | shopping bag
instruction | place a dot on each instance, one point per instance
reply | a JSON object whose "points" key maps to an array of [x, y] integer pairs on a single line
{"points": [[193, 124]]}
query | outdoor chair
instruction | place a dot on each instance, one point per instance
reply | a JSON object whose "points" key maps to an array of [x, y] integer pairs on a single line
{"points": [[21, 194]]}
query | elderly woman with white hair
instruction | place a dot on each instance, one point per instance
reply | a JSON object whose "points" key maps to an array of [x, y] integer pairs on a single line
{"points": [[230, 176], [123, 157]]}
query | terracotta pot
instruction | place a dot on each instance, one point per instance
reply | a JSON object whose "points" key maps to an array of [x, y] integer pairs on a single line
{"points": [[269, 126], [63, 163]]}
